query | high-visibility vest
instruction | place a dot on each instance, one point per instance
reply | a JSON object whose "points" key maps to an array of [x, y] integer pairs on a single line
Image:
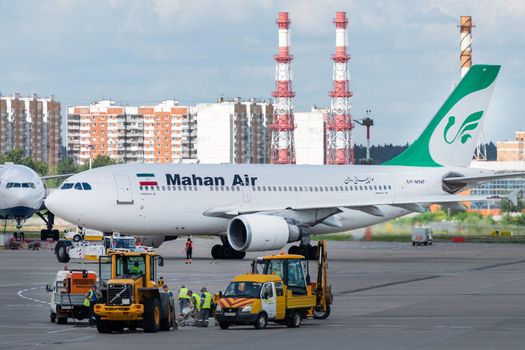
{"points": [[183, 293], [197, 301], [89, 298], [207, 301]]}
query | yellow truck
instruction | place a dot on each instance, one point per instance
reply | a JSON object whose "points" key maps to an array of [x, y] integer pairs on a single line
{"points": [[279, 290], [131, 296]]}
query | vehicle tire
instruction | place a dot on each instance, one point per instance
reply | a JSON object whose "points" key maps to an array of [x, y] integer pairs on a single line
{"points": [[413, 244], [117, 327], [224, 325], [216, 251], [426, 243], [62, 255], [321, 315], [77, 238], [61, 320], [53, 317], [261, 322], [104, 326], [165, 323], [293, 319], [151, 315]]}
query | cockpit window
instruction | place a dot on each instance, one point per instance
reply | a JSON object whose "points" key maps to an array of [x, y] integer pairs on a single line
{"points": [[17, 185], [28, 185], [66, 186], [78, 186], [86, 186], [9, 185]]}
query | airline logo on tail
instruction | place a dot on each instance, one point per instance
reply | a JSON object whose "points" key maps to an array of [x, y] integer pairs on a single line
{"points": [[471, 123], [451, 136]]}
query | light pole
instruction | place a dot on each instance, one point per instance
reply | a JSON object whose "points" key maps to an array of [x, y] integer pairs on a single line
{"points": [[368, 122]]}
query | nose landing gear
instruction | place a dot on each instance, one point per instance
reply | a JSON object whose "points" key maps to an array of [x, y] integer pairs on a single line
{"points": [[48, 232], [225, 251]]}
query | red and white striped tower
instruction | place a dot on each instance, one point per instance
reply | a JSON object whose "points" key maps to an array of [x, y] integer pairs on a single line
{"points": [[282, 149], [339, 147]]}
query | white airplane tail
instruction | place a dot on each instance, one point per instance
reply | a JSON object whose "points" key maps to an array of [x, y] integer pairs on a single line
{"points": [[452, 135]]}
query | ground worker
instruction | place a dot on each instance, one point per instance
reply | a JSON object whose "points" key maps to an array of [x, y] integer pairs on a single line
{"points": [[161, 282], [183, 298], [205, 307], [89, 301], [135, 269], [189, 250], [196, 300], [167, 290]]}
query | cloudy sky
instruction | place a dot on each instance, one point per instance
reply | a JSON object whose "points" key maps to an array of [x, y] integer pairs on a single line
{"points": [[404, 54]]}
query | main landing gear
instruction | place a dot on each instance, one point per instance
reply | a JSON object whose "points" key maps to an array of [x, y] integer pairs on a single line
{"points": [[307, 250], [18, 235], [225, 251], [49, 219]]}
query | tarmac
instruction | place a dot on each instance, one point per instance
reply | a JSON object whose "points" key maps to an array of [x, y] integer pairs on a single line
{"points": [[387, 296]]}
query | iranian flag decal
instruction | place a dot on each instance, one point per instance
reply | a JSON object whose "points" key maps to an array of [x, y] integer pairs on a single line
{"points": [[145, 179]]}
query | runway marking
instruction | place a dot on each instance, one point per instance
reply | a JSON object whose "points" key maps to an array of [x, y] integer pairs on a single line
{"points": [[21, 284], [61, 330], [20, 293], [387, 284], [23, 305]]}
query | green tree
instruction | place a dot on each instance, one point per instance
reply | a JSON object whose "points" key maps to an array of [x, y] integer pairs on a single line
{"points": [[99, 161]]}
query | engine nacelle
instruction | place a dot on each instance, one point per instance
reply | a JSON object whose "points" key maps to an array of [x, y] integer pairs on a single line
{"points": [[255, 232], [156, 240]]}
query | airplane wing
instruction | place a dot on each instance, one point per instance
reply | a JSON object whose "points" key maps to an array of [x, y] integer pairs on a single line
{"points": [[474, 180], [323, 211], [48, 177]]}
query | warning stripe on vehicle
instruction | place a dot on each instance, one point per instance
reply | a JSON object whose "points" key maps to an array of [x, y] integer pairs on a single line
{"points": [[234, 302]]}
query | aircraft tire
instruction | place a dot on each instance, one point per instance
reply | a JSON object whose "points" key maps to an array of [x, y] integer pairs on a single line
{"points": [[293, 250], [239, 255], [227, 252], [56, 235], [216, 251]]}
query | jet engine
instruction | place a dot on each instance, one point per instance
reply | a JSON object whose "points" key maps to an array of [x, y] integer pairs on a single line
{"points": [[256, 232], [156, 240]]}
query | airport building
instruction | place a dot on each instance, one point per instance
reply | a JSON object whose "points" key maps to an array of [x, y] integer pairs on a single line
{"points": [[162, 133], [31, 124], [512, 150]]}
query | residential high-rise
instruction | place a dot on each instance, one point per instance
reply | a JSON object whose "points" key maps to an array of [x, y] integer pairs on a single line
{"points": [[31, 124], [162, 133]]}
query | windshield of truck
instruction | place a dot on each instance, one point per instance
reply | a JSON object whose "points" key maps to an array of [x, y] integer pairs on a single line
{"points": [[124, 243], [104, 270], [130, 266], [243, 290]]}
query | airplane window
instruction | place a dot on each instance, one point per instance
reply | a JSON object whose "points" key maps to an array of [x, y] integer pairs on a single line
{"points": [[25, 185], [78, 186], [284, 188], [389, 187], [179, 188], [163, 188], [331, 188], [140, 188], [258, 188], [361, 188], [311, 189], [195, 188], [211, 188], [158, 188], [315, 188], [169, 188], [9, 185], [65, 186], [320, 188], [17, 184], [300, 188], [86, 186], [264, 188], [227, 188], [222, 188], [190, 188], [280, 188], [274, 188], [184, 188], [253, 188], [238, 188], [289, 188]]}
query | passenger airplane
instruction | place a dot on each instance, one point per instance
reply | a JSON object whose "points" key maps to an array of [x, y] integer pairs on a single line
{"points": [[264, 207], [22, 194]]}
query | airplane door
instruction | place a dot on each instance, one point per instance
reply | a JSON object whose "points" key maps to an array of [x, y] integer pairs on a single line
{"points": [[268, 300], [124, 193], [246, 195]]}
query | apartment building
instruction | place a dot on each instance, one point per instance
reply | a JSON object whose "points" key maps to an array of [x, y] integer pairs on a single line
{"points": [[162, 133], [31, 124]]}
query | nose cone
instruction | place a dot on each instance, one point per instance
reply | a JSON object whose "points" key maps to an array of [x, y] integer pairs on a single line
{"points": [[53, 203]]}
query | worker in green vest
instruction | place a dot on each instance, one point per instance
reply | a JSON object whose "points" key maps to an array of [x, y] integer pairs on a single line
{"points": [[89, 301], [196, 301], [183, 298], [205, 307]]}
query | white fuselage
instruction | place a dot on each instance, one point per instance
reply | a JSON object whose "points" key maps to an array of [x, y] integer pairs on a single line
{"points": [[22, 192], [174, 199]]}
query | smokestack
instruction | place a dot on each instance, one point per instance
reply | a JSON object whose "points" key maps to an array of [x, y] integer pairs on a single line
{"points": [[465, 31], [282, 142], [339, 145]]}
